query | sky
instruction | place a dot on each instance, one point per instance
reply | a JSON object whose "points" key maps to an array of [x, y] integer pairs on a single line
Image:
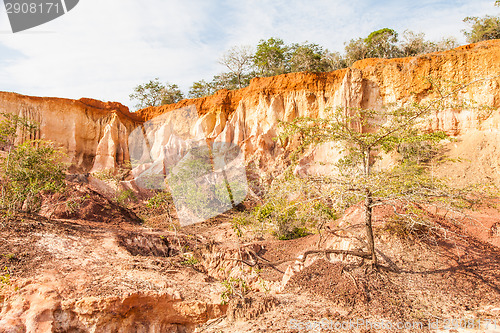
{"points": [[102, 49]]}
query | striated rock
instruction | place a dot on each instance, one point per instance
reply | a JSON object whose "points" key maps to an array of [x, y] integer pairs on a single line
{"points": [[96, 134], [42, 308], [253, 113], [90, 132]]}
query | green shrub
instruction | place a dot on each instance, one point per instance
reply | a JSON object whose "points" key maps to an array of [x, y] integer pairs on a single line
{"points": [[159, 200], [285, 216], [234, 287], [293, 233], [239, 222], [124, 196], [5, 277], [106, 175], [190, 261], [30, 169]]}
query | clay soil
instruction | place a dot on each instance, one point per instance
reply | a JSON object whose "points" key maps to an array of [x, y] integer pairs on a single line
{"points": [[103, 251]]}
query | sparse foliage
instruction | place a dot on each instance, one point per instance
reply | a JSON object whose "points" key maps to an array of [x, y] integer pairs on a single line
{"points": [[363, 134], [415, 43], [446, 43], [333, 61], [234, 287], [355, 50], [239, 60], [200, 89], [171, 94], [10, 125], [308, 57], [227, 81], [291, 208], [483, 28]]}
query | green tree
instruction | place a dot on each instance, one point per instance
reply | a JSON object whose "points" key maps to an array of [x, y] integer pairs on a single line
{"points": [[415, 43], [155, 93], [355, 50], [272, 57], [171, 94], [200, 89], [313, 58], [362, 134], [483, 28], [379, 44], [333, 61], [382, 44], [230, 81], [307, 57]]}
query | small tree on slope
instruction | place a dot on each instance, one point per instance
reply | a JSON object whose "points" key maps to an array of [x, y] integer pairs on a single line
{"points": [[363, 134]]}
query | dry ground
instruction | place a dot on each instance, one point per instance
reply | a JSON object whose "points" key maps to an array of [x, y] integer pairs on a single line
{"points": [[97, 267]]}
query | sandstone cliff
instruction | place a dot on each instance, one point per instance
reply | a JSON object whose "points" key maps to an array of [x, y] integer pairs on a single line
{"points": [[82, 127], [95, 134]]}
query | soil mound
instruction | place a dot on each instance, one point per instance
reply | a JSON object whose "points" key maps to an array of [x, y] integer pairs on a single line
{"points": [[83, 203]]}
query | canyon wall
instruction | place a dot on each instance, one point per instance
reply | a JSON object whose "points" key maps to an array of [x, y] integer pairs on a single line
{"points": [[95, 134], [81, 127]]}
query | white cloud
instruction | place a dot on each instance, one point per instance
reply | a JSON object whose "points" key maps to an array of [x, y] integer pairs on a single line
{"points": [[102, 49]]}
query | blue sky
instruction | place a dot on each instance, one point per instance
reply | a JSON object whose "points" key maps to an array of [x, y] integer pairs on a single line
{"points": [[103, 48]]}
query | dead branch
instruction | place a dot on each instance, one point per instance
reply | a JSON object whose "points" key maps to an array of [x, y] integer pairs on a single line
{"points": [[302, 258]]}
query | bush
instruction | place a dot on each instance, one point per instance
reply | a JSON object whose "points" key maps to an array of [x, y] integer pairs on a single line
{"points": [[29, 169], [234, 287], [125, 196], [160, 200], [284, 216]]}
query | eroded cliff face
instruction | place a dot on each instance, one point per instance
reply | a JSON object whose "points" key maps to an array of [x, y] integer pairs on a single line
{"points": [[95, 134], [249, 117]]}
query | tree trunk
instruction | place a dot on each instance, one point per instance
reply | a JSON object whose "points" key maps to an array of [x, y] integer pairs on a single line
{"points": [[368, 225]]}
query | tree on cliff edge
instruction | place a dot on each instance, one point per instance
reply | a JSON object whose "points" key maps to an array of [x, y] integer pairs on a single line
{"points": [[272, 57], [155, 93], [483, 28], [239, 60]]}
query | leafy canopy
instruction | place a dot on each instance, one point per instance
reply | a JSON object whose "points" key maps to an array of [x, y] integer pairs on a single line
{"points": [[483, 28], [155, 93]]}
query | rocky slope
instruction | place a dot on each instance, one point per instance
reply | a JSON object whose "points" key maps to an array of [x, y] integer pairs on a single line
{"points": [[89, 267], [96, 134], [113, 275]]}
